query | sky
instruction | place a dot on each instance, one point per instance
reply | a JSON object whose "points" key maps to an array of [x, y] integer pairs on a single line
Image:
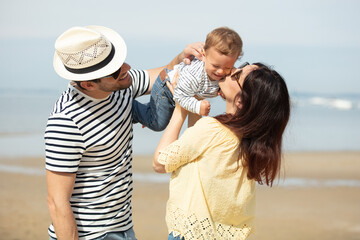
{"points": [[314, 44]]}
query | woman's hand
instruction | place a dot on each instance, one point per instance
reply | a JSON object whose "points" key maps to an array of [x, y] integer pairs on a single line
{"points": [[170, 135], [173, 83]]}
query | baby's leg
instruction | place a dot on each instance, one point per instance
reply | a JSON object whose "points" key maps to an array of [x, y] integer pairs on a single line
{"points": [[156, 114]]}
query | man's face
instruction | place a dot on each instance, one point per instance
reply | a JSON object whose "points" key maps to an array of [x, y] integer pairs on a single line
{"points": [[122, 80]]}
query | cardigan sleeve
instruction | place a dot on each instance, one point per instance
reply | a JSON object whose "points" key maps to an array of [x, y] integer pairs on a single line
{"points": [[191, 144]]}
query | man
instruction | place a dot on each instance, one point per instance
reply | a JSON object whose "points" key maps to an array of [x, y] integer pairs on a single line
{"points": [[89, 135]]}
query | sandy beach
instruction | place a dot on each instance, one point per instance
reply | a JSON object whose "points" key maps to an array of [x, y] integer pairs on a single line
{"points": [[317, 197]]}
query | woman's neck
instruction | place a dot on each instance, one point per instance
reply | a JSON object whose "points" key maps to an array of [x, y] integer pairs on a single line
{"points": [[230, 107]]}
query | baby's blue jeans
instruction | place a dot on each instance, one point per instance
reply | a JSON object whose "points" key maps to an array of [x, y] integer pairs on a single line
{"points": [[156, 114]]}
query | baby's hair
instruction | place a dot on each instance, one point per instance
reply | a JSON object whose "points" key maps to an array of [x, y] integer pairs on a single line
{"points": [[226, 41]]}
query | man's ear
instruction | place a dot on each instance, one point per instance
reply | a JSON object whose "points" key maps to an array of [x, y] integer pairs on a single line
{"points": [[88, 85]]}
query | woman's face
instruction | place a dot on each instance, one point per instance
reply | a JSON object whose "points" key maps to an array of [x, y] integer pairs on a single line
{"points": [[230, 86]]}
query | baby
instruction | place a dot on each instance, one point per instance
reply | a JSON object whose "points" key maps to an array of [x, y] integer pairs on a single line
{"points": [[199, 80], [196, 81]]}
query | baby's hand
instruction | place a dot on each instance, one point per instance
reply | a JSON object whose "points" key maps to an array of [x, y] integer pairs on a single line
{"points": [[204, 108], [174, 82]]}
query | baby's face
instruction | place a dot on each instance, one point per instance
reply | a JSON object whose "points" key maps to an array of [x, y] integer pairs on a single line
{"points": [[217, 65]]}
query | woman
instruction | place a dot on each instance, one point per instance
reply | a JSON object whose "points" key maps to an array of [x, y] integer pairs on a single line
{"points": [[216, 163]]}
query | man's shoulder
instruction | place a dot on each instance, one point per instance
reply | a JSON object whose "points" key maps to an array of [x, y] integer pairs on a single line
{"points": [[137, 73], [140, 82], [67, 98]]}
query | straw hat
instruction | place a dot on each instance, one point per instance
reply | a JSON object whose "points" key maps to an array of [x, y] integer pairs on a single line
{"points": [[87, 53]]}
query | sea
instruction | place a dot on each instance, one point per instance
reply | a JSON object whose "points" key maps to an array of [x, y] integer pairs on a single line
{"points": [[317, 123], [320, 120]]}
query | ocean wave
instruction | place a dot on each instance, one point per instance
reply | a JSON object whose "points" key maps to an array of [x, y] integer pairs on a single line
{"points": [[328, 102], [304, 182], [337, 103]]}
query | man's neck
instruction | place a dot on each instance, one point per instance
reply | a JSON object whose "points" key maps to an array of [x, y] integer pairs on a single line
{"points": [[97, 94]]}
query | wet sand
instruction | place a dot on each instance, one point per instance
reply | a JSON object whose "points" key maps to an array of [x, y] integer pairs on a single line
{"points": [[302, 211]]}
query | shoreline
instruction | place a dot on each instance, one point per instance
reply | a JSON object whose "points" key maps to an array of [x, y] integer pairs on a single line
{"points": [[291, 212]]}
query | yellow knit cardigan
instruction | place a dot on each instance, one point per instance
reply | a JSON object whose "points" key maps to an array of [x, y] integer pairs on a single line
{"points": [[210, 195]]}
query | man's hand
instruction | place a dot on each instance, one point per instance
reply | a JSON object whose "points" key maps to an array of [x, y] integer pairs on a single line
{"points": [[193, 50]]}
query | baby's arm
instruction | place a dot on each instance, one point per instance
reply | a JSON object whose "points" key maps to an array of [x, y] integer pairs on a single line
{"points": [[188, 84], [204, 107], [192, 104], [184, 94]]}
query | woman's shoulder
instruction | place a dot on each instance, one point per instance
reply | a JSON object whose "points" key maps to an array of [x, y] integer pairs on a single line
{"points": [[212, 125], [207, 121]]}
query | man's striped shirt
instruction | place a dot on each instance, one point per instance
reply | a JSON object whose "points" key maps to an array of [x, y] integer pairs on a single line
{"points": [[93, 138]]}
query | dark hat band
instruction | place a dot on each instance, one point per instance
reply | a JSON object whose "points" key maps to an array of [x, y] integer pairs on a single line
{"points": [[96, 66]]}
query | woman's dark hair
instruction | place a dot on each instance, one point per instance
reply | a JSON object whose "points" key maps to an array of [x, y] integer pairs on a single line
{"points": [[260, 122]]}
